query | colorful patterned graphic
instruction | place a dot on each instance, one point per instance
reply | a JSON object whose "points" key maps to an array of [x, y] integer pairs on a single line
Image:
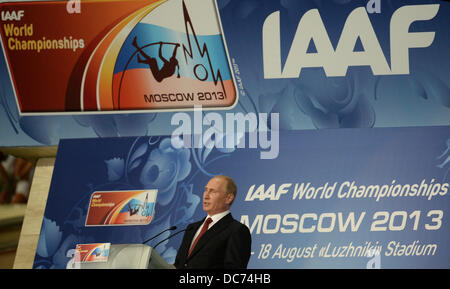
{"points": [[173, 63], [121, 208], [132, 58], [87, 253]]}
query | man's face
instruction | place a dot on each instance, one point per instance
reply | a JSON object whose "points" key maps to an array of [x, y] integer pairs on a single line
{"points": [[215, 197]]}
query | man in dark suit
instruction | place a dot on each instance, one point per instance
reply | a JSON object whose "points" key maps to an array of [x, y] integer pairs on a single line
{"points": [[217, 241]]}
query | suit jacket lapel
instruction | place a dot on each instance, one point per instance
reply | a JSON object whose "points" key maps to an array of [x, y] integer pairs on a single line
{"points": [[187, 240], [213, 231]]}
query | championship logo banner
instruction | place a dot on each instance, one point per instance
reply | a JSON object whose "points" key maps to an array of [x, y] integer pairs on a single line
{"points": [[133, 58], [359, 198], [88, 253], [83, 69], [121, 208]]}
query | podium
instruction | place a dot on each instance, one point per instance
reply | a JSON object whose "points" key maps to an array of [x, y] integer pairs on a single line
{"points": [[126, 256]]}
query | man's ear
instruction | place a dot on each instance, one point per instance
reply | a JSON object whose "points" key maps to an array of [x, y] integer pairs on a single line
{"points": [[230, 198]]}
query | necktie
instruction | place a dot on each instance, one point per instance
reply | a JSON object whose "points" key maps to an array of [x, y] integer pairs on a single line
{"points": [[204, 229]]}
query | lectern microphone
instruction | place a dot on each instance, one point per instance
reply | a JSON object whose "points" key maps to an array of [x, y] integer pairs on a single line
{"points": [[170, 229], [188, 229]]}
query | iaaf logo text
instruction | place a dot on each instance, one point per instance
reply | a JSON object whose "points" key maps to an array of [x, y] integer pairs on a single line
{"points": [[72, 6], [12, 15], [212, 130], [335, 62]]}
